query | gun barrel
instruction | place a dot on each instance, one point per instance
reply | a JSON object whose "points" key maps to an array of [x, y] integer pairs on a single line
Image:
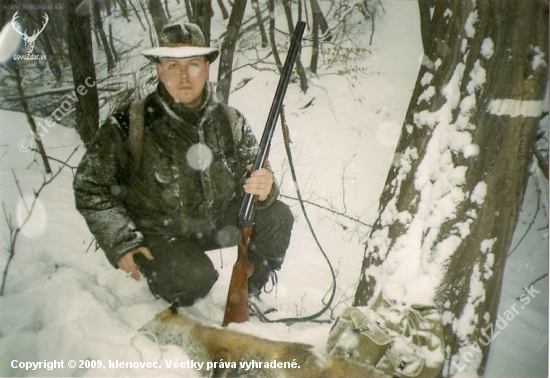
{"points": [[246, 211]]}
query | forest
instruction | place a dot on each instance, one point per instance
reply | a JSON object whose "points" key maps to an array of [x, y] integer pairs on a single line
{"points": [[420, 135]]}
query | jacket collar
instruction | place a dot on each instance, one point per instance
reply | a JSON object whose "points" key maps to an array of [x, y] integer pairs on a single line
{"points": [[178, 110]]}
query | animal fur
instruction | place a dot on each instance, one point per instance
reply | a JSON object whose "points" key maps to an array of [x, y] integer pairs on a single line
{"points": [[210, 344]]}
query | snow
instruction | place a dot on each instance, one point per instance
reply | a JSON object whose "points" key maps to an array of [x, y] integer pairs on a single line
{"points": [[479, 193], [470, 24], [538, 58], [516, 108], [64, 301], [487, 48]]}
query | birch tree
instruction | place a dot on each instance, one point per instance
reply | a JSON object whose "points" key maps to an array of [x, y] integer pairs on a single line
{"points": [[452, 197]]}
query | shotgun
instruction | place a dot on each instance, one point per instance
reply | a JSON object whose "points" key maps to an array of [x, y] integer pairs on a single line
{"points": [[236, 308]]}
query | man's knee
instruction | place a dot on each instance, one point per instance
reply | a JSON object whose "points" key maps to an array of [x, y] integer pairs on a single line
{"points": [[278, 216], [179, 272], [185, 285], [271, 236]]}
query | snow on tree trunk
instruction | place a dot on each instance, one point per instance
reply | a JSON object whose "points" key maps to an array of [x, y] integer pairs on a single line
{"points": [[451, 200]]}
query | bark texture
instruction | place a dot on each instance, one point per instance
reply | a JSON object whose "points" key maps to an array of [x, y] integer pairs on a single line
{"points": [[452, 197]]}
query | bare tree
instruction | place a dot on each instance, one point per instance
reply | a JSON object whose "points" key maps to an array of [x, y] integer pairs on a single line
{"points": [[451, 200], [227, 50], [137, 14], [151, 36], [157, 14], [259, 20], [202, 16], [14, 230], [315, 36], [321, 20], [299, 67], [79, 41], [225, 13], [124, 9], [30, 119], [272, 40], [98, 26], [110, 27]]}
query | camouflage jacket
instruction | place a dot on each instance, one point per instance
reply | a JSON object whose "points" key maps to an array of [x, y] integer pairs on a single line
{"points": [[192, 166]]}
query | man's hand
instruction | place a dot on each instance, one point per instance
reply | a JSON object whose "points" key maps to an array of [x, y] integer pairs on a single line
{"points": [[259, 183], [127, 264]]}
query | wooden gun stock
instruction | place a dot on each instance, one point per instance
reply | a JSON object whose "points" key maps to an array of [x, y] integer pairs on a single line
{"points": [[236, 309]]}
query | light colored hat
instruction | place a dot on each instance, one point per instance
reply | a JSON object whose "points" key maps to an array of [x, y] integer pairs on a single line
{"points": [[181, 40]]}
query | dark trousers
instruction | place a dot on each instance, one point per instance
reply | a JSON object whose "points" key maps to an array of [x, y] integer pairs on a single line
{"points": [[181, 271]]}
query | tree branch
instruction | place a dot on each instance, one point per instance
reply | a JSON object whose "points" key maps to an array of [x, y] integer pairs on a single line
{"points": [[14, 231], [328, 209]]}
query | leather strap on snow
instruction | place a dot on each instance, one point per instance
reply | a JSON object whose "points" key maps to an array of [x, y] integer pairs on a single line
{"points": [[300, 200]]}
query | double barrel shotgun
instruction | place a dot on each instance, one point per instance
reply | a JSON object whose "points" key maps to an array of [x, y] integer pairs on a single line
{"points": [[236, 308]]}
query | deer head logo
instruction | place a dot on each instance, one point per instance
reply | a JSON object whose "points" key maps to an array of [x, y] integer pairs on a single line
{"points": [[29, 40]]}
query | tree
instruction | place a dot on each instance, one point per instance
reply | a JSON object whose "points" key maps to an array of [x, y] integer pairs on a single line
{"points": [[81, 55], [272, 41], [157, 14], [227, 50], [451, 200], [202, 16], [13, 66], [260, 22], [287, 6], [223, 9], [98, 25]]}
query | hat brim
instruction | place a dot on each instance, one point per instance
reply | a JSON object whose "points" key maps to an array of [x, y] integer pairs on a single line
{"points": [[181, 52]]}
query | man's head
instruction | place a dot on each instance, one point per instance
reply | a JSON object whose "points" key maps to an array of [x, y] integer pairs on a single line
{"points": [[183, 62], [184, 78]]}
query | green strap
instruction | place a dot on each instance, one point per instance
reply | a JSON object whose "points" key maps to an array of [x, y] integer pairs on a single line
{"points": [[300, 200]]}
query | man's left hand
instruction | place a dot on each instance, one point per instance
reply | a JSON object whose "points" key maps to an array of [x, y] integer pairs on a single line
{"points": [[259, 183]]}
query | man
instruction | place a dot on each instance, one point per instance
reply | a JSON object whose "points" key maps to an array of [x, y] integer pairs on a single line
{"points": [[163, 180]]}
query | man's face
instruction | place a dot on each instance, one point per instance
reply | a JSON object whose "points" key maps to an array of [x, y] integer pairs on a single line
{"points": [[184, 78]]}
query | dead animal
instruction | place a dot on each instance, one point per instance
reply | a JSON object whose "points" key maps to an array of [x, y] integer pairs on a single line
{"points": [[222, 352]]}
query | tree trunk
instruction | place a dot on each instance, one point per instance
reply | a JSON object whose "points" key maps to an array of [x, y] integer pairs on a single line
{"points": [[321, 20], [425, 22], [157, 14], [202, 16], [137, 15], [98, 24], [124, 9], [259, 20], [168, 15], [79, 41], [111, 38], [151, 36], [272, 40], [227, 50], [299, 66], [315, 37], [225, 13], [189, 11], [55, 57], [451, 200]]}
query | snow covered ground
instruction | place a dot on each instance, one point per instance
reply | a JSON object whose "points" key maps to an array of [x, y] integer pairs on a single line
{"points": [[63, 301]]}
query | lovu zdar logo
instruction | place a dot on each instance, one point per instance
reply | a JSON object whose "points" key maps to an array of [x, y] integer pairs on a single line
{"points": [[29, 40]]}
